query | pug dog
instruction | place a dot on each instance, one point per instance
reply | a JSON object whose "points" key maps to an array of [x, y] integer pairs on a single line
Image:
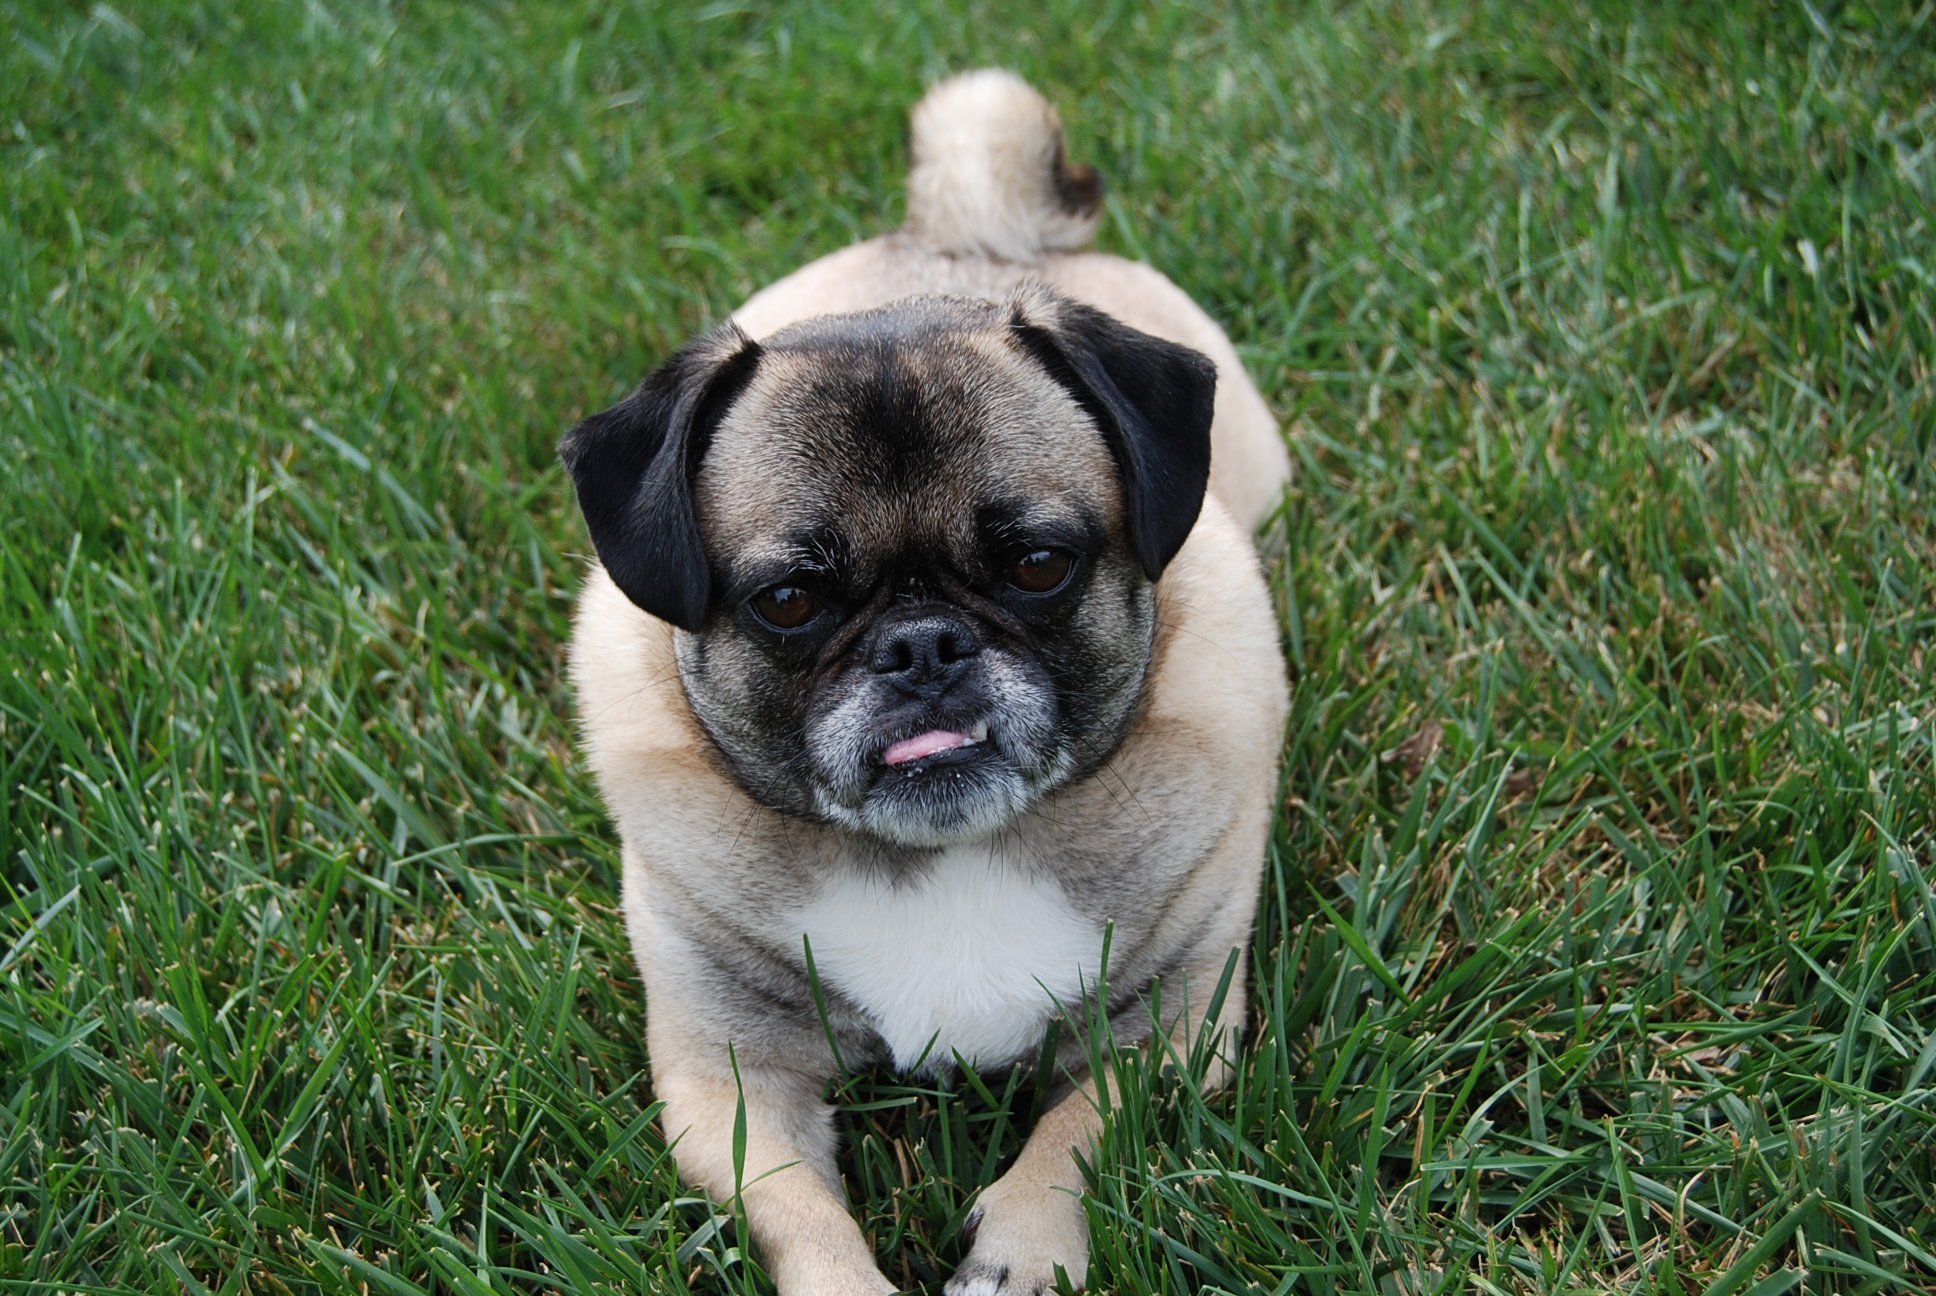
{"points": [[926, 657]]}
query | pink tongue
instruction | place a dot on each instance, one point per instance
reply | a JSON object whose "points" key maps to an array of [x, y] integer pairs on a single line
{"points": [[927, 744]]}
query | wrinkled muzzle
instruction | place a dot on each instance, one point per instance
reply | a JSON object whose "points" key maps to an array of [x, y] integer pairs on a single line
{"points": [[930, 736]]}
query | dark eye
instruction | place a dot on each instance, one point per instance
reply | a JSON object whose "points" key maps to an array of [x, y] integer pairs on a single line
{"points": [[785, 607], [1041, 571]]}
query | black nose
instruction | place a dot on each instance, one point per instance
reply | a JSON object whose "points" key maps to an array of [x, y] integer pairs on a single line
{"points": [[923, 655]]}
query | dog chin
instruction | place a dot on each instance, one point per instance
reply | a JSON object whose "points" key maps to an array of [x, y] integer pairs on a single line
{"points": [[946, 806]]}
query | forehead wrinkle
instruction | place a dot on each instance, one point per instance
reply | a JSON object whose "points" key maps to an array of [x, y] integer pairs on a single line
{"points": [[896, 442], [1021, 518], [795, 551]]}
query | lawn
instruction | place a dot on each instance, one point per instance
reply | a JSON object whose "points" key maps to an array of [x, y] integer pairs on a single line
{"points": [[1599, 947]]}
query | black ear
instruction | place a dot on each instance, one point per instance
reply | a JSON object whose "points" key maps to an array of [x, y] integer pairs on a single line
{"points": [[633, 465], [1153, 401]]}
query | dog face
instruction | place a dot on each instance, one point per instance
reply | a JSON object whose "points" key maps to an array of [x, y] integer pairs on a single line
{"points": [[909, 551]]}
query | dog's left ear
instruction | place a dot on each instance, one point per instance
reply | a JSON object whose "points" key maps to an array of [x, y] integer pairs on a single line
{"points": [[633, 465], [1151, 399]]}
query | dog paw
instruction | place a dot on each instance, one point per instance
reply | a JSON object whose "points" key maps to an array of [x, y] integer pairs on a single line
{"points": [[1017, 1248]]}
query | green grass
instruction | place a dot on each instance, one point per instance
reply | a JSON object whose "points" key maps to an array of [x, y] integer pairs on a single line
{"points": [[1599, 947]]}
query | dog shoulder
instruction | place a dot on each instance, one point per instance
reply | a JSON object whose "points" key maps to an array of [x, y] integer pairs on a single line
{"points": [[1218, 665], [637, 726]]}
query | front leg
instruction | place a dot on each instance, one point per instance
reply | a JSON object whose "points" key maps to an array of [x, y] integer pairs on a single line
{"points": [[788, 1181], [1029, 1222]]}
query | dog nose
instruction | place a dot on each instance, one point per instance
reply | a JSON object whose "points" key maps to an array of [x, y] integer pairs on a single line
{"points": [[925, 654]]}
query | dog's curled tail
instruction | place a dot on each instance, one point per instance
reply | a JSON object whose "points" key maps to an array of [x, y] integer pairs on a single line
{"points": [[989, 176]]}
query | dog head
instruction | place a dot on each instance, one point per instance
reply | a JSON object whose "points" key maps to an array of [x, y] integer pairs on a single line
{"points": [[909, 552]]}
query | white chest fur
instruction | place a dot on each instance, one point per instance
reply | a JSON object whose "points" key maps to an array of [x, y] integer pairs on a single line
{"points": [[972, 957]]}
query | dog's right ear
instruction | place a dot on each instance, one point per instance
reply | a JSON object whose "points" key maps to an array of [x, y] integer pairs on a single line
{"points": [[634, 463]]}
